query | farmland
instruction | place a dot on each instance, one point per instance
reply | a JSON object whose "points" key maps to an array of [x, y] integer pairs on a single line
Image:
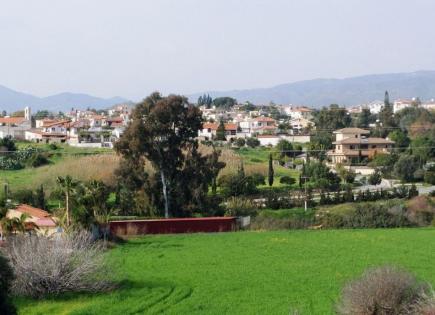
{"points": [[244, 272]]}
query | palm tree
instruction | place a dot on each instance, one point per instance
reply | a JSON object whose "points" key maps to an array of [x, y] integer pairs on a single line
{"points": [[14, 225], [96, 194], [67, 185]]}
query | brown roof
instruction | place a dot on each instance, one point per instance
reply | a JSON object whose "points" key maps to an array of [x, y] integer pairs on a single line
{"points": [[12, 120], [364, 141], [214, 126], [56, 123], [352, 130], [32, 211], [264, 119]]}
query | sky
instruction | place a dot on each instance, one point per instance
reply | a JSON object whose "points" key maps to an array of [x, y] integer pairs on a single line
{"points": [[131, 48]]}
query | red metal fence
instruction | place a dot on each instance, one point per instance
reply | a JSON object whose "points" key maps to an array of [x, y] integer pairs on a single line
{"points": [[169, 226]]}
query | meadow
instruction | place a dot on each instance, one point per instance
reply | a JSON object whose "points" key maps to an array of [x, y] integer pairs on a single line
{"points": [[84, 164], [244, 272]]}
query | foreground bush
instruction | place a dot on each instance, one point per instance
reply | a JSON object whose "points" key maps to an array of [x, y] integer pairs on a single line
{"points": [[384, 291], [46, 266], [6, 277]]}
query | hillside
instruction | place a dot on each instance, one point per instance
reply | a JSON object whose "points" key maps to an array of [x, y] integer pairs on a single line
{"points": [[348, 91], [11, 100]]}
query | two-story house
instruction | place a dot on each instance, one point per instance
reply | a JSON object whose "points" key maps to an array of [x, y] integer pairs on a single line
{"points": [[352, 145]]}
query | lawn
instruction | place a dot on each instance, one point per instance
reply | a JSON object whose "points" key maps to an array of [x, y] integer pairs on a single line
{"points": [[244, 272]]}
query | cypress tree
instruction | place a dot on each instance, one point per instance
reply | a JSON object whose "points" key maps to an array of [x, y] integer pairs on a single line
{"points": [[40, 197], [271, 172], [220, 132]]}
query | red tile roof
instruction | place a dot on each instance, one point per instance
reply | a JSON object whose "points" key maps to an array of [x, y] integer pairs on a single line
{"points": [[32, 211], [12, 120], [214, 126]]}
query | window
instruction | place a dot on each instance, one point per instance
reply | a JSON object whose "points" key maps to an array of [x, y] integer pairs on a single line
{"points": [[352, 147], [356, 136], [374, 146]]}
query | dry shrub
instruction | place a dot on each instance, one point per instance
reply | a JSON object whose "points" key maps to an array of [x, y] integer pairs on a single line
{"points": [[240, 206], [425, 306], [382, 291], [421, 210], [43, 266], [99, 167]]}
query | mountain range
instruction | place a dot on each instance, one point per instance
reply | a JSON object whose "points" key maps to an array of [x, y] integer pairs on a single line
{"points": [[348, 91], [315, 93], [11, 100]]}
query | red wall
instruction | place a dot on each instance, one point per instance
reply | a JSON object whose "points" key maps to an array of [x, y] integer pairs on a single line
{"points": [[169, 226]]}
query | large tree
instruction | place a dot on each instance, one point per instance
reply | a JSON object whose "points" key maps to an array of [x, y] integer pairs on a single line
{"points": [[163, 131], [332, 118]]}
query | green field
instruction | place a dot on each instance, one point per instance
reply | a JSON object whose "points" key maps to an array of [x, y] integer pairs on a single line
{"points": [[244, 272]]}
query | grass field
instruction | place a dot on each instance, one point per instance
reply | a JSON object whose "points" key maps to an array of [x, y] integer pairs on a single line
{"points": [[244, 272]]}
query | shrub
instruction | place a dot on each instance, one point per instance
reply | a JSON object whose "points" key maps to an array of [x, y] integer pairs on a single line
{"points": [[383, 291], [375, 178], [240, 142], [71, 263], [421, 210], [53, 146], [287, 180], [6, 278], [274, 224], [237, 184], [238, 206], [259, 179], [37, 159], [252, 142]]}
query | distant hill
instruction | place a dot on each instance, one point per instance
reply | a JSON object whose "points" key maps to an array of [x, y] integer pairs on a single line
{"points": [[11, 100], [348, 91]]}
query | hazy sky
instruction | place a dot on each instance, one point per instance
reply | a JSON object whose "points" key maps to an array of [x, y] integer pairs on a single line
{"points": [[133, 47]]}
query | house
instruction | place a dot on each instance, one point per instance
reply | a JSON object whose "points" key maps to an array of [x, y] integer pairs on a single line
{"points": [[300, 124], [352, 146], [262, 125], [15, 127], [295, 112], [37, 219], [57, 131], [402, 104], [208, 131]]}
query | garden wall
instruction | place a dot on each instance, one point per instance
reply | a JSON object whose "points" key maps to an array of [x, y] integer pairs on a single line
{"points": [[172, 226]]}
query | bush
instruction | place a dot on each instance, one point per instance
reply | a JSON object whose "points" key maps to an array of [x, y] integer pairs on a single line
{"points": [[238, 206], [252, 142], [383, 291], [287, 180], [375, 178], [273, 223], [259, 179], [53, 146], [6, 278], [237, 185], [240, 142], [37, 159], [72, 263], [365, 215], [421, 211]]}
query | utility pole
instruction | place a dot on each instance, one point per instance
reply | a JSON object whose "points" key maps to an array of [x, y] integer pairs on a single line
{"points": [[306, 192]]}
